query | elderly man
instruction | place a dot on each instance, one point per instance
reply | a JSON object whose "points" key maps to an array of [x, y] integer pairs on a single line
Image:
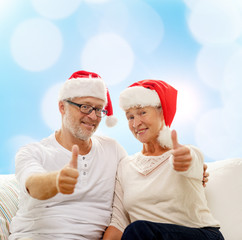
{"points": [[67, 179]]}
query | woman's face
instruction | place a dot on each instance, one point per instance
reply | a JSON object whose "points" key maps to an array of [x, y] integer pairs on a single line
{"points": [[145, 123]]}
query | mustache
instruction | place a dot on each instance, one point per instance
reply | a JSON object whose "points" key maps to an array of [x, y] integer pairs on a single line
{"points": [[88, 122]]}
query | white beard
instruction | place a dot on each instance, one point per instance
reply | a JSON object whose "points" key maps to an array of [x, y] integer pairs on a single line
{"points": [[164, 137], [75, 130]]}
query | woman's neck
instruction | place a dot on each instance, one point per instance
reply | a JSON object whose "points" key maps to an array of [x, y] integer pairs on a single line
{"points": [[153, 149]]}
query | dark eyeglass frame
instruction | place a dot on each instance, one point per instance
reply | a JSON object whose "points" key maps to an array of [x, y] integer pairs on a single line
{"points": [[98, 111]]}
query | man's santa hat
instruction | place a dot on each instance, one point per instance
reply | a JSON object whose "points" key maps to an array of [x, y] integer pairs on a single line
{"points": [[152, 93], [88, 84]]}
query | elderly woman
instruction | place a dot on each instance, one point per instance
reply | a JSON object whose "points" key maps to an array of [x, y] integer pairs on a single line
{"points": [[158, 192]]}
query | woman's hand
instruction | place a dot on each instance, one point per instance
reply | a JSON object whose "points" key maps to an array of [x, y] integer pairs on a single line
{"points": [[182, 157]]}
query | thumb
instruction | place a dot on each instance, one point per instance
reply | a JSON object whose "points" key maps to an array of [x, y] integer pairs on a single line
{"points": [[174, 139], [75, 152]]}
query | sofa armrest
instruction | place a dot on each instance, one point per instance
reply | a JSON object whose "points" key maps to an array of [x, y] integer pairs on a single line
{"points": [[9, 191], [224, 196]]}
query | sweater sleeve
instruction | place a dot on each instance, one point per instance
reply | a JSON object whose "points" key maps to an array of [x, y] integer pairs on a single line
{"points": [[196, 169], [120, 218], [27, 162]]}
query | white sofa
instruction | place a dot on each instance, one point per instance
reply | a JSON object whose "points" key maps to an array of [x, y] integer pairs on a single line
{"points": [[224, 195], [223, 191], [9, 190]]}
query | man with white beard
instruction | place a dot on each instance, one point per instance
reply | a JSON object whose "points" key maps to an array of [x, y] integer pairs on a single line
{"points": [[67, 179]]}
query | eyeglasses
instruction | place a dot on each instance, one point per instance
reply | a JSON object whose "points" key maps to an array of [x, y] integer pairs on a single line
{"points": [[87, 109]]}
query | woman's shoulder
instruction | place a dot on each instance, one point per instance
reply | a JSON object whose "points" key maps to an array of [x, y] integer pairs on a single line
{"points": [[128, 159], [196, 152]]}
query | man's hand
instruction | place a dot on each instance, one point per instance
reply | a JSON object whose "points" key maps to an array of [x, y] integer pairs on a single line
{"points": [[181, 155], [66, 178], [205, 174]]}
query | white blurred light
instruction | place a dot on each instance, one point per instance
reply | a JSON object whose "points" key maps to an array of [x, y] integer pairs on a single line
{"points": [[49, 108], [188, 103], [112, 17], [233, 76], [36, 44], [190, 3], [214, 136], [215, 21], [96, 1], [3, 4], [20, 140], [238, 4], [148, 25], [56, 9], [110, 56], [13, 145], [122, 18], [6, 7], [211, 62], [231, 93], [233, 117]]}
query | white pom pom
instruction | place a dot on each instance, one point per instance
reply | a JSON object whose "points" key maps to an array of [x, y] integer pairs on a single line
{"points": [[164, 137], [111, 121]]}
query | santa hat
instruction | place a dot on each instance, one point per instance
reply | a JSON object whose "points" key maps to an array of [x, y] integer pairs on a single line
{"points": [[151, 93], [88, 84]]}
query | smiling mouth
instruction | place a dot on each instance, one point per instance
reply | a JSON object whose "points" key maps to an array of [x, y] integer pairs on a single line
{"points": [[88, 124], [141, 131]]}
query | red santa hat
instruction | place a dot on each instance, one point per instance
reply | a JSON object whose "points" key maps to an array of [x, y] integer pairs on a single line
{"points": [[88, 84], [151, 93]]}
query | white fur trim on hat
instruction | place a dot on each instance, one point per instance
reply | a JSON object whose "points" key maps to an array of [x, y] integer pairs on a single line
{"points": [[138, 96], [83, 87]]}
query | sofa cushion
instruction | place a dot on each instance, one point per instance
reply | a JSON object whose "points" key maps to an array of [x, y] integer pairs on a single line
{"points": [[9, 190], [224, 195]]}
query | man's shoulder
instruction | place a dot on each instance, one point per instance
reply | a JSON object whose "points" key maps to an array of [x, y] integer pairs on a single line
{"points": [[128, 159], [35, 145], [105, 139], [110, 143], [50, 140], [196, 152]]}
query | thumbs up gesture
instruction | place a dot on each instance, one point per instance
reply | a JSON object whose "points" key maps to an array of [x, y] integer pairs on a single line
{"points": [[74, 160], [181, 155], [66, 178]]}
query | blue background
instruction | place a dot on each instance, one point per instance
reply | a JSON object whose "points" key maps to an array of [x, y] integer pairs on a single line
{"points": [[195, 45]]}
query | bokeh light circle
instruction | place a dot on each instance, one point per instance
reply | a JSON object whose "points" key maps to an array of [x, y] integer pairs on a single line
{"points": [[211, 62], [13, 145], [49, 108], [36, 44], [56, 9], [110, 56], [188, 103], [215, 22], [213, 136], [233, 76]]}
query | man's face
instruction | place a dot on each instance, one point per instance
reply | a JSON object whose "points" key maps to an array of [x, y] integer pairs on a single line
{"points": [[82, 125]]}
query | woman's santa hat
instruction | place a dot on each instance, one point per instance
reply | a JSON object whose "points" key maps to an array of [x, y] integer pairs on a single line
{"points": [[88, 84], [152, 93]]}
